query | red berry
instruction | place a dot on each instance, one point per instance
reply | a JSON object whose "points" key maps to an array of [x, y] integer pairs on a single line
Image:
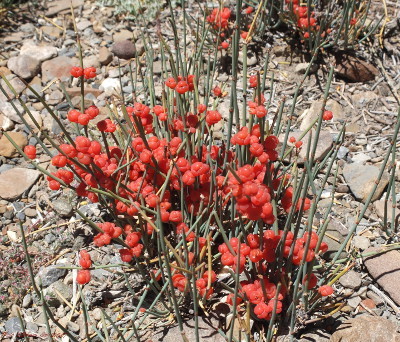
{"points": [[30, 151], [325, 290], [83, 277], [89, 72], [328, 115], [76, 71]]}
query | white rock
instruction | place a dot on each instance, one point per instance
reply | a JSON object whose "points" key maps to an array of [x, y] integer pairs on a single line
{"points": [[110, 86]]}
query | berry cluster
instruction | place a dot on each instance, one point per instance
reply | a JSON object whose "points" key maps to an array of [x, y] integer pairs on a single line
{"points": [[83, 276]]}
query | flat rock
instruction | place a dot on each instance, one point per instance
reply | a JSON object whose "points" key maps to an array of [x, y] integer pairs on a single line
{"points": [[7, 149], [354, 69], [380, 209], [124, 49], [14, 182], [50, 275], [361, 242], [310, 114], [58, 67], [324, 145], [384, 268], [39, 52], [351, 280], [361, 180], [57, 6], [366, 328], [24, 66], [123, 35]]}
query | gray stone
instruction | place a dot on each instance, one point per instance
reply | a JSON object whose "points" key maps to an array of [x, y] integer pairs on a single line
{"points": [[50, 275], [361, 242], [354, 301], [317, 335], [63, 207], [63, 289], [361, 180], [122, 35], [360, 158], [13, 325], [83, 24], [351, 280], [124, 49], [91, 61], [24, 66], [39, 52], [301, 68], [342, 153]]}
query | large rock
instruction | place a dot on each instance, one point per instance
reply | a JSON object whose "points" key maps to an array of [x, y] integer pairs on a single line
{"points": [[7, 149], [24, 66], [58, 67], [124, 49], [361, 180], [384, 268], [50, 275], [324, 145], [351, 280], [367, 329], [14, 182], [39, 52], [57, 6], [354, 69], [310, 114]]}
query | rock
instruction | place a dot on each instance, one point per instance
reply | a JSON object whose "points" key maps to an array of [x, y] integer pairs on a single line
{"points": [[351, 280], [361, 242], [366, 328], [122, 35], [63, 207], [363, 98], [38, 118], [309, 115], [51, 31], [27, 301], [251, 59], [58, 67], [24, 66], [354, 69], [354, 301], [301, 68], [105, 56], [380, 209], [73, 327], [6, 123], [13, 325], [207, 332], [7, 149], [15, 83], [360, 158], [124, 49], [39, 52], [384, 268], [3, 310], [324, 145], [83, 24], [4, 71], [110, 86], [50, 275], [96, 314], [57, 6], [361, 180], [91, 61], [53, 299]]}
